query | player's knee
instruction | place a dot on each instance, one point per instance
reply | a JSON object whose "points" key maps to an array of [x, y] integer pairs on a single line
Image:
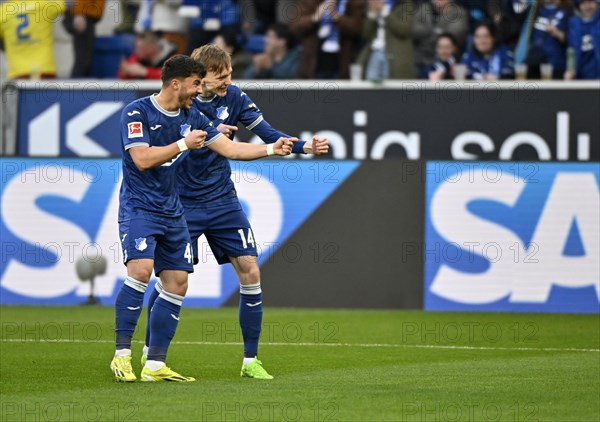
{"points": [[175, 281], [143, 276], [140, 273], [250, 274], [181, 284], [181, 288]]}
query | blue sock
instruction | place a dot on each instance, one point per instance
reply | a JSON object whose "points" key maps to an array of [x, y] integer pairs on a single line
{"points": [[153, 296], [128, 308], [251, 313], [163, 324]]}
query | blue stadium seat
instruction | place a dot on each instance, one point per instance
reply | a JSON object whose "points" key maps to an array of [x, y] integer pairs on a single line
{"points": [[108, 53], [255, 44]]}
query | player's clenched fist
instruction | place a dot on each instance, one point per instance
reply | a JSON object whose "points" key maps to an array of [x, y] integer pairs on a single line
{"points": [[195, 139], [283, 146], [320, 145]]}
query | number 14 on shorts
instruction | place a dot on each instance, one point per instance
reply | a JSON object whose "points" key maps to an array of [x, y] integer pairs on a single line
{"points": [[249, 239]]}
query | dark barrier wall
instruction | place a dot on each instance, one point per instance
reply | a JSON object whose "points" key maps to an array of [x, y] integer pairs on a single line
{"points": [[414, 120], [359, 249], [477, 122]]}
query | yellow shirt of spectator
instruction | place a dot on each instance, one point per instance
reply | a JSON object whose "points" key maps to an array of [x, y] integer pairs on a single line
{"points": [[26, 26]]}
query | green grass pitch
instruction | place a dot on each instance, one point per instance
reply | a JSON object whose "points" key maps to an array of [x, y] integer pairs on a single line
{"points": [[329, 365]]}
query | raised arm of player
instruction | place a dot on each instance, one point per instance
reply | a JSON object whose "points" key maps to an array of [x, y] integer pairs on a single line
{"points": [[253, 119], [222, 145], [269, 134], [146, 157], [246, 152]]}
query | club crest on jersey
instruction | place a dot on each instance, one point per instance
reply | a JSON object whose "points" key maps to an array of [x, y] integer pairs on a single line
{"points": [[185, 129], [222, 113], [140, 244], [135, 130]]}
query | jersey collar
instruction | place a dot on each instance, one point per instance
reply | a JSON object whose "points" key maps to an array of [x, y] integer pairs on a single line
{"points": [[206, 99], [162, 110]]}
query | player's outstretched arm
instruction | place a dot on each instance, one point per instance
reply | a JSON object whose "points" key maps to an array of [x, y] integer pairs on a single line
{"points": [[247, 152], [318, 146], [147, 157], [268, 134]]}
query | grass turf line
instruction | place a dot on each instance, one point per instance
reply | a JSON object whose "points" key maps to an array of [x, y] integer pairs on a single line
{"points": [[54, 366]]}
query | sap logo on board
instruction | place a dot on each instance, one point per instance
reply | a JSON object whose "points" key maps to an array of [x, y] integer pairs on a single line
{"points": [[511, 234], [56, 211]]}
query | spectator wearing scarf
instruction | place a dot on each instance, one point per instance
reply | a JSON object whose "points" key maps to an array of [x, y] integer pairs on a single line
{"points": [[486, 60], [387, 31], [329, 33]]}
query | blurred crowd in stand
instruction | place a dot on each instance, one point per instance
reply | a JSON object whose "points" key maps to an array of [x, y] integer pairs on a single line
{"points": [[374, 40]]}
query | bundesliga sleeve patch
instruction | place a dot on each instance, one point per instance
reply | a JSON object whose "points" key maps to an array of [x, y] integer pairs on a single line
{"points": [[135, 130]]}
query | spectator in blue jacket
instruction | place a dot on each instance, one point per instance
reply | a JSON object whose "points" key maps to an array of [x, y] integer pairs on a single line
{"points": [[549, 38], [228, 40], [443, 63], [486, 60], [280, 58], [584, 42]]}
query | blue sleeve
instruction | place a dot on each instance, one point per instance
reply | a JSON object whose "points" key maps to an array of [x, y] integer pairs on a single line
{"points": [[252, 118], [507, 64], [573, 37], [134, 127], [467, 60], [563, 22], [206, 125], [269, 134], [250, 114]]}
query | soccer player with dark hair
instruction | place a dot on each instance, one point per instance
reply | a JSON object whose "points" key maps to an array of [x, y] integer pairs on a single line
{"points": [[210, 201], [156, 132]]}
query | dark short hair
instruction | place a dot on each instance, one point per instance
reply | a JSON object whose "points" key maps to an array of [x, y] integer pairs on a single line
{"points": [[150, 36], [283, 31], [231, 39], [488, 25], [491, 29], [181, 67], [449, 36]]}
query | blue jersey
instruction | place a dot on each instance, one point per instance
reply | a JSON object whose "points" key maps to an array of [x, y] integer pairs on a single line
{"points": [[554, 50], [498, 63], [584, 38], [206, 177], [154, 191], [443, 67]]}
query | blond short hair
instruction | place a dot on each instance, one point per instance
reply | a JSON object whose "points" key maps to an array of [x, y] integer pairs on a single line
{"points": [[212, 58]]}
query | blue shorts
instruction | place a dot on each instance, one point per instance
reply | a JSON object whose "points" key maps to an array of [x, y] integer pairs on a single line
{"points": [[166, 241], [226, 228]]}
